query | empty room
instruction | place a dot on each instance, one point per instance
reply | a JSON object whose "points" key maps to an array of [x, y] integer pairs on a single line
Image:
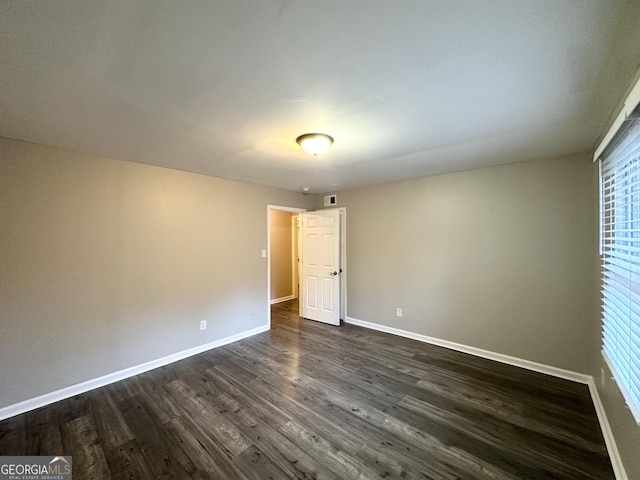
{"points": [[275, 239]]}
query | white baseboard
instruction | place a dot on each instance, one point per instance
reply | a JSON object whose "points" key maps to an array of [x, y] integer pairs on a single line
{"points": [[610, 442], [478, 352], [281, 299], [67, 392]]}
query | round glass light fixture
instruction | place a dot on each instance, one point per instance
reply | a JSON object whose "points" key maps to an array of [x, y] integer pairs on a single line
{"points": [[314, 143]]}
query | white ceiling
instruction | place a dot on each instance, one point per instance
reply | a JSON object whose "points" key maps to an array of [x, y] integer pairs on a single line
{"points": [[406, 88]]}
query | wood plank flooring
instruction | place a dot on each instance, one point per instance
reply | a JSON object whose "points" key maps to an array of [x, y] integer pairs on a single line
{"points": [[308, 400]]}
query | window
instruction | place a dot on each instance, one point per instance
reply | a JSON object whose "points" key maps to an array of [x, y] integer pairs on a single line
{"points": [[620, 255]]}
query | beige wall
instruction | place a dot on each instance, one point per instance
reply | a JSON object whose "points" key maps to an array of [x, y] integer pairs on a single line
{"points": [[497, 258], [281, 254], [108, 264], [503, 259]]}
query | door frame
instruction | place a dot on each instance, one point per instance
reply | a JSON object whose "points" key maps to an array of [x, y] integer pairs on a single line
{"points": [[269, 209], [343, 262], [295, 255], [343, 257]]}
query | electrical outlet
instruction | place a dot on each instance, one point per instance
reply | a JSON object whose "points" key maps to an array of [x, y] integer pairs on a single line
{"points": [[398, 312], [203, 324]]}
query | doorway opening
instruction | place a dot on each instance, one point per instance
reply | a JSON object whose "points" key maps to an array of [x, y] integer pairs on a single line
{"points": [[283, 256], [285, 270]]}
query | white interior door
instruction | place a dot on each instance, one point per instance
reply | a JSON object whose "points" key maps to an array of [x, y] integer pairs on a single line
{"points": [[321, 266]]}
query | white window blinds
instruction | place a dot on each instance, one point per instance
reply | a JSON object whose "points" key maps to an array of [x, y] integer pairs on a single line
{"points": [[620, 254]]}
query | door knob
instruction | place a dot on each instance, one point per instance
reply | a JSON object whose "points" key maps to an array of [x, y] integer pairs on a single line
{"points": [[333, 273]]}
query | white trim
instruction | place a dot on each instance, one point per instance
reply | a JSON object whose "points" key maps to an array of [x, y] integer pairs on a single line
{"points": [[609, 440], [630, 104], [77, 389], [617, 123], [286, 209], [478, 352], [631, 405], [281, 299], [343, 262], [295, 220], [67, 392], [600, 211], [633, 100]]}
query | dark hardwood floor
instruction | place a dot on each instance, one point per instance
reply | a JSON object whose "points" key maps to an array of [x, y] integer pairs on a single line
{"points": [[308, 400]]}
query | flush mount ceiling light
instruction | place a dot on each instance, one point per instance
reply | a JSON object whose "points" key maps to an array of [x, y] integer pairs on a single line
{"points": [[314, 143]]}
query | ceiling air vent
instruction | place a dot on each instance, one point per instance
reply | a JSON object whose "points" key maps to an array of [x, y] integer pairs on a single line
{"points": [[330, 200]]}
